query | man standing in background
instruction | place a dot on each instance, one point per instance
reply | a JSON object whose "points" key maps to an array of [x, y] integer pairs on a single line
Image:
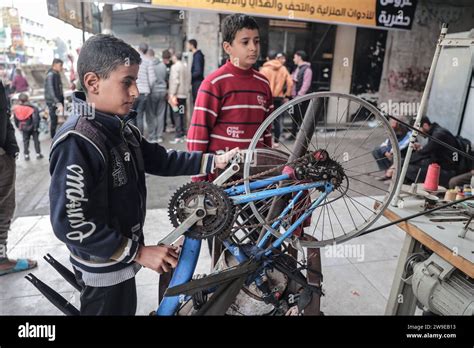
{"points": [[156, 104], [281, 85], [177, 94], [197, 68], [282, 58], [53, 94], [302, 79], [145, 80]]}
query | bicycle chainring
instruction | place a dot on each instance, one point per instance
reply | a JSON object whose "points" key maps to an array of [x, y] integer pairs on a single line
{"points": [[220, 210]]}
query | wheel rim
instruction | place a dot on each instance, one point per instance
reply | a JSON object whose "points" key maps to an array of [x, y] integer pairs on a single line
{"points": [[349, 141]]}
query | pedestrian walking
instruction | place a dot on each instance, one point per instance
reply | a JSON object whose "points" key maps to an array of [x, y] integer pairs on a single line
{"points": [[53, 94]]}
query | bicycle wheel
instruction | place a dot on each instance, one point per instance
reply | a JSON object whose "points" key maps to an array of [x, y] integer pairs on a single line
{"points": [[347, 129]]}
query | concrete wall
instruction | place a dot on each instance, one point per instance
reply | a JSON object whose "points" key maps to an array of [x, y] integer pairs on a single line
{"points": [[162, 29], [408, 54], [156, 38], [341, 77]]}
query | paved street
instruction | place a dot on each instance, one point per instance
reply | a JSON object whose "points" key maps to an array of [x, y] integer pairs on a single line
{"points": [[352, 285]]}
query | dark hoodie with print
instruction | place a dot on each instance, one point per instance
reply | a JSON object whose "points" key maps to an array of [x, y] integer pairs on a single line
{"points": [[98, 194]]}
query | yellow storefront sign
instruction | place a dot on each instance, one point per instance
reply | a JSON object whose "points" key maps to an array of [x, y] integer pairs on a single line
{"points": [[371, 13]]}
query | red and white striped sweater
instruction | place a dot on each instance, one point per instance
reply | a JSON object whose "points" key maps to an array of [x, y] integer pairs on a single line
{"points": [[231, 104]]}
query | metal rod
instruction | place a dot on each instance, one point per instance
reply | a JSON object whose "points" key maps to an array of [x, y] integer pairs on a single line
{"points": [[421, 112], [414, 216], [277, 223], [56, 299], [276, 244], [63, 271], [83, 23]]}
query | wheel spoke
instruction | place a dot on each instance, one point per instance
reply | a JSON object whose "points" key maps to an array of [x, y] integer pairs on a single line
{"points": [[337, 218], [378, 188], [352, 199], [330, 222], [361, 164]]}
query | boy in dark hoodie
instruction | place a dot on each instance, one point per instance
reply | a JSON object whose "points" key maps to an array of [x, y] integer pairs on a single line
{"points": [[27, 120], [98, 193]]}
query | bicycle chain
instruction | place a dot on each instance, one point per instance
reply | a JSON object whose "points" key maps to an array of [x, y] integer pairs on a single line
{"points": [[268, 171]]}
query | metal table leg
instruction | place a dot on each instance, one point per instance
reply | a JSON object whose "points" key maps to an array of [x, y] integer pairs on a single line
{"points": [[401, 300]]}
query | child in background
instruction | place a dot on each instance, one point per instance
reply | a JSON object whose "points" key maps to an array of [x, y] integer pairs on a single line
{"points": [[27, 119]]}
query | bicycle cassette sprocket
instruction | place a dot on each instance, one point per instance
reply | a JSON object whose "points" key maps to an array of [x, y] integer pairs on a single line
{"points": [[220, 210]]}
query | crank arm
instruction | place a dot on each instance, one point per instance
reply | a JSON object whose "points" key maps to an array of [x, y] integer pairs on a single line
{"points": [[221, 179], [198, 214], [179, 231]]}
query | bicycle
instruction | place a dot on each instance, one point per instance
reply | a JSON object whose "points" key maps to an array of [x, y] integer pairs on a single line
{"points": [[268, 217], [316, 179]]}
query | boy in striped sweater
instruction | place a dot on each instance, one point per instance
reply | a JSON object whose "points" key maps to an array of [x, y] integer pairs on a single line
{"points": [[235, 99]]}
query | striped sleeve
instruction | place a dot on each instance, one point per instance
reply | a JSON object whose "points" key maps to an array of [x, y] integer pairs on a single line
{"points": [[203, 120], [206, 110]]}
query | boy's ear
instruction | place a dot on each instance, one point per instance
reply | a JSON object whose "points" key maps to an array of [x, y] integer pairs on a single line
{"points": [[91, 82], [226, 46]]}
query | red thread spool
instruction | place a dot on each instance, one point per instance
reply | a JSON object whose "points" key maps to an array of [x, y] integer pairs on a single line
{"points": [[432, 177]]}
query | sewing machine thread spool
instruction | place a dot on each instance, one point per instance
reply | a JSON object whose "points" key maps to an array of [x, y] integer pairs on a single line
{"points": [[459, 195], [432, 177], [450, 195]]}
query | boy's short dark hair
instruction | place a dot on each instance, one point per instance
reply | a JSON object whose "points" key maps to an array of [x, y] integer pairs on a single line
{"points": [[233, 23], [166, 54], [272, 54], [102, 54], [23, 97], [302, 54], [194, 43], [143, 47], [424, 120], [57, 61]]}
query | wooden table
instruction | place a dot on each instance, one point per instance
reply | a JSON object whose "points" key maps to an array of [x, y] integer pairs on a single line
{"points": [[440, 237]]}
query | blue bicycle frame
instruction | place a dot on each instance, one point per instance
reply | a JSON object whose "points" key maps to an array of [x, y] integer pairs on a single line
{"points": [[192, 247]]}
